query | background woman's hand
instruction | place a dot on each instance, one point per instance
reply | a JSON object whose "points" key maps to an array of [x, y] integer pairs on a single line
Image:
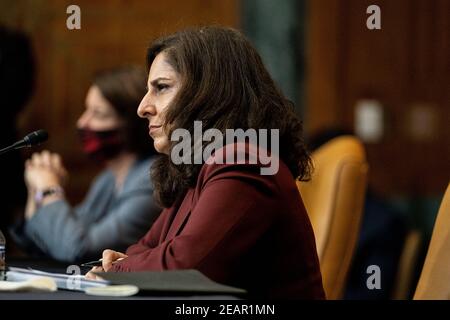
{"points": [[44, 170]]}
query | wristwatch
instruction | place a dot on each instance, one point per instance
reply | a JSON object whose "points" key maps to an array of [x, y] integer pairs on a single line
{"points": [[41, 194]]}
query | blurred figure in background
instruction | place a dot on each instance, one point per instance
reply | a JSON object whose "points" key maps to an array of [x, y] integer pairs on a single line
{"points": [[380, 241], [119, 207], [17, 71]]}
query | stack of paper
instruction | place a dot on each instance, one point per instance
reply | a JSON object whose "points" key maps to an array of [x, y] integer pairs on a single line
{"points": [[63, 281], [35, 284]]}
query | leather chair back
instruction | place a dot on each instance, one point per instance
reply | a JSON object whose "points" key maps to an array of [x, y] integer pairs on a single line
{"points": [[334, 199]]}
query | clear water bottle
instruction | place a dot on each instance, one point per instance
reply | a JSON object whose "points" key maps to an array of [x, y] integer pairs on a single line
{"points": [[2, 256]]}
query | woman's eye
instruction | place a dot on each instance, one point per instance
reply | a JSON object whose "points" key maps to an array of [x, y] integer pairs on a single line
{"points": [[161, 87]]}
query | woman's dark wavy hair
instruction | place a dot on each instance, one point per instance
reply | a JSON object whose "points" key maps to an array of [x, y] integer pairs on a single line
{"points": [[124, 87], [226, 86]]}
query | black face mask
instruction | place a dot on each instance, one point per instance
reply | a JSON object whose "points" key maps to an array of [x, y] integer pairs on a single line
{"points": [[102, 145]]}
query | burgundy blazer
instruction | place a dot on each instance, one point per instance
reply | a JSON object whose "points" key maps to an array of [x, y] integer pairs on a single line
{"points": [[239, 228]]}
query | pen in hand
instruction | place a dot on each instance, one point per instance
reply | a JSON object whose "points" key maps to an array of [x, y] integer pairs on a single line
{"points": [[97, 263]]}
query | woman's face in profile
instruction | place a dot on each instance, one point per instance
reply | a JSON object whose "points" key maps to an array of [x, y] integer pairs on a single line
{"points": [[163, 85], [99, 114]]}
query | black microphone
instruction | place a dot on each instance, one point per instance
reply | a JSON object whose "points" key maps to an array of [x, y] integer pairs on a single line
{"points": [[32, 139]]}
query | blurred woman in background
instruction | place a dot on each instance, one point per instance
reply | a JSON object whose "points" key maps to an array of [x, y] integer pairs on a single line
{"points": [[119, 207]]}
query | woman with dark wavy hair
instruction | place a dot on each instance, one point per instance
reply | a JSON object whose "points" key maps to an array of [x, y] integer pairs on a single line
{"points": [[226, 219]]}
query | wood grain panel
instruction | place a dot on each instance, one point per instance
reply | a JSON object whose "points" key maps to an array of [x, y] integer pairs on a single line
{"points": [[112, 33], [405, 66]]}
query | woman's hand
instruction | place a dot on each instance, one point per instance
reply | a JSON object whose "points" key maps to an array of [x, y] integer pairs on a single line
{"points": [[108, 258], [44, 170], [92, 276]]}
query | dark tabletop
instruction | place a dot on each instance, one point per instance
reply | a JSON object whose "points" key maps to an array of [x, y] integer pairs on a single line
{"points": [[58, 267]]}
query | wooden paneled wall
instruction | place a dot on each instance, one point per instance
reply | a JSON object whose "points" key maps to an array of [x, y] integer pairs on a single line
{"points": [[112, 32], [405, 66]]}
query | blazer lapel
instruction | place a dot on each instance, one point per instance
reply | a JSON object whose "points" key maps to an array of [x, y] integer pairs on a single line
{"points": [[181, 215], [167, 223]]}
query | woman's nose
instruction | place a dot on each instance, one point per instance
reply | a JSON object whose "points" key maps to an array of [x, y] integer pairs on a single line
{"points": [[146, 108], [82, 121]]}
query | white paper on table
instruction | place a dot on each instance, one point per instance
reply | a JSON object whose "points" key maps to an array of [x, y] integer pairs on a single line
{"points": [[35, 284]]}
